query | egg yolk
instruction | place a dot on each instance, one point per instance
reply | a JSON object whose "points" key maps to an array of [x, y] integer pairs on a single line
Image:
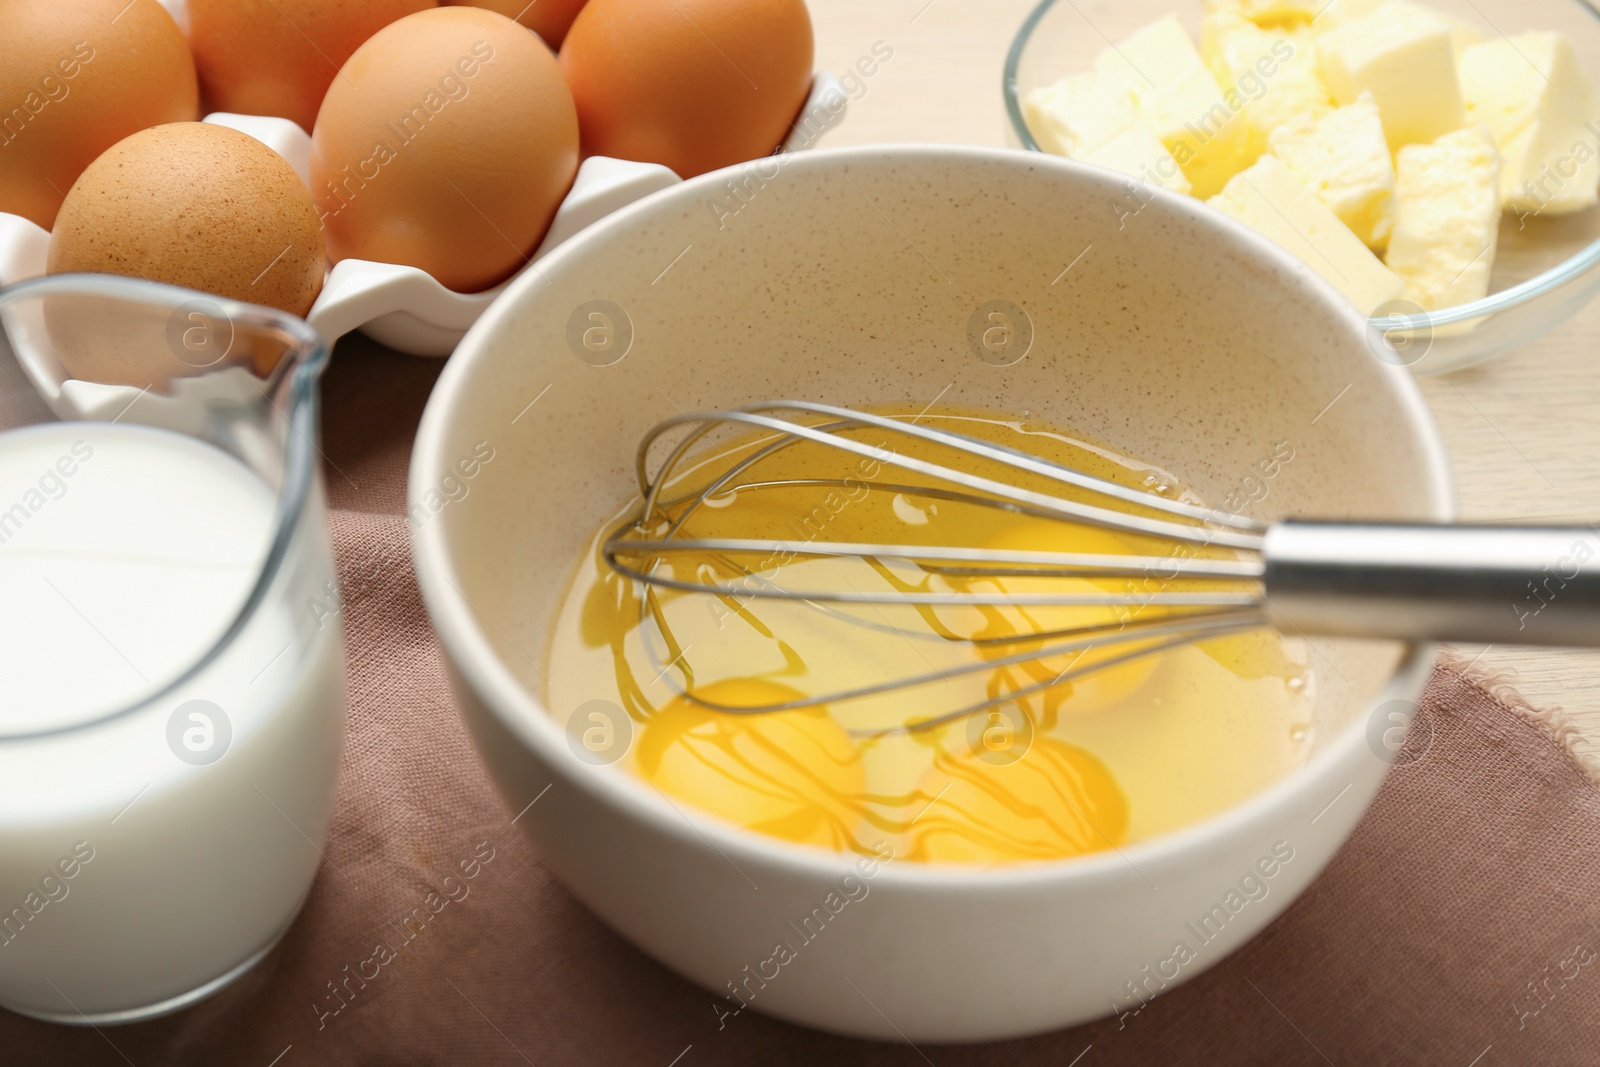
{"points": [[1091, 692], [1028, 777], [790, 774], [1052, 801]]}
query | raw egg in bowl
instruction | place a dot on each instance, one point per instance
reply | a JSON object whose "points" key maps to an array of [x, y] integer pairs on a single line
{"points": [[975, 897]]}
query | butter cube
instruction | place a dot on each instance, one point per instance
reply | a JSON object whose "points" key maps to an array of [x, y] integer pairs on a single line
{"points": [[1092, 118], [1181, 101], [1544, 115], [1270, 199], [1139, 153], [1269, 12], [1463, 35], [1342, 157], [1338, 12], [1447, 218], [1404, 55], [1079, 112], [1272, 75]]}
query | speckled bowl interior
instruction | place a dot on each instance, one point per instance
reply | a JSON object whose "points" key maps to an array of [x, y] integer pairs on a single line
{"points": [[853, 277], [856, 282]]}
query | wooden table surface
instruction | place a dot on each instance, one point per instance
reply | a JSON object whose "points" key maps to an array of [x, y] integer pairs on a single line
{"points": [[1523, 432]]}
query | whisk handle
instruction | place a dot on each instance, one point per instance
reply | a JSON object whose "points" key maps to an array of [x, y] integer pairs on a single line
{"points": [[1528, 585]]}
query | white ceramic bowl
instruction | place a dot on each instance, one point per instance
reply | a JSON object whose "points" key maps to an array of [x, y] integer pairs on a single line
{"points": [[851, 277]]}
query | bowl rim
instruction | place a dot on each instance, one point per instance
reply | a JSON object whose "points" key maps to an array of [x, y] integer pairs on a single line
{"points": [[521, 713], [1549, 280]]}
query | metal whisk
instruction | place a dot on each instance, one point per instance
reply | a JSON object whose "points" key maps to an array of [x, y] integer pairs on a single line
{"points": [[1407, 582]]}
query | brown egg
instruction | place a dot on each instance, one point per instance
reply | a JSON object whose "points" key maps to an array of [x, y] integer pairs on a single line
{"points": [[278, 57], [692, 84], [550, 19], [76, 77], [195, 205], [447, 143]]}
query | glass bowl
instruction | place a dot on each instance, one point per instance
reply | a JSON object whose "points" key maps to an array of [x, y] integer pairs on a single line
{"points": [[1547, 268]]}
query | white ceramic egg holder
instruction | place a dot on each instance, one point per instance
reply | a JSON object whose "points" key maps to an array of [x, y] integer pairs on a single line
{"points": [[402, 307]]}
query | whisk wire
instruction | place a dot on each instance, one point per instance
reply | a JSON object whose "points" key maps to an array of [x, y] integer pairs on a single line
{"points": [[1187, 629], [644, 548], [1007, 563], [1219, 528], [772, 591]]}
